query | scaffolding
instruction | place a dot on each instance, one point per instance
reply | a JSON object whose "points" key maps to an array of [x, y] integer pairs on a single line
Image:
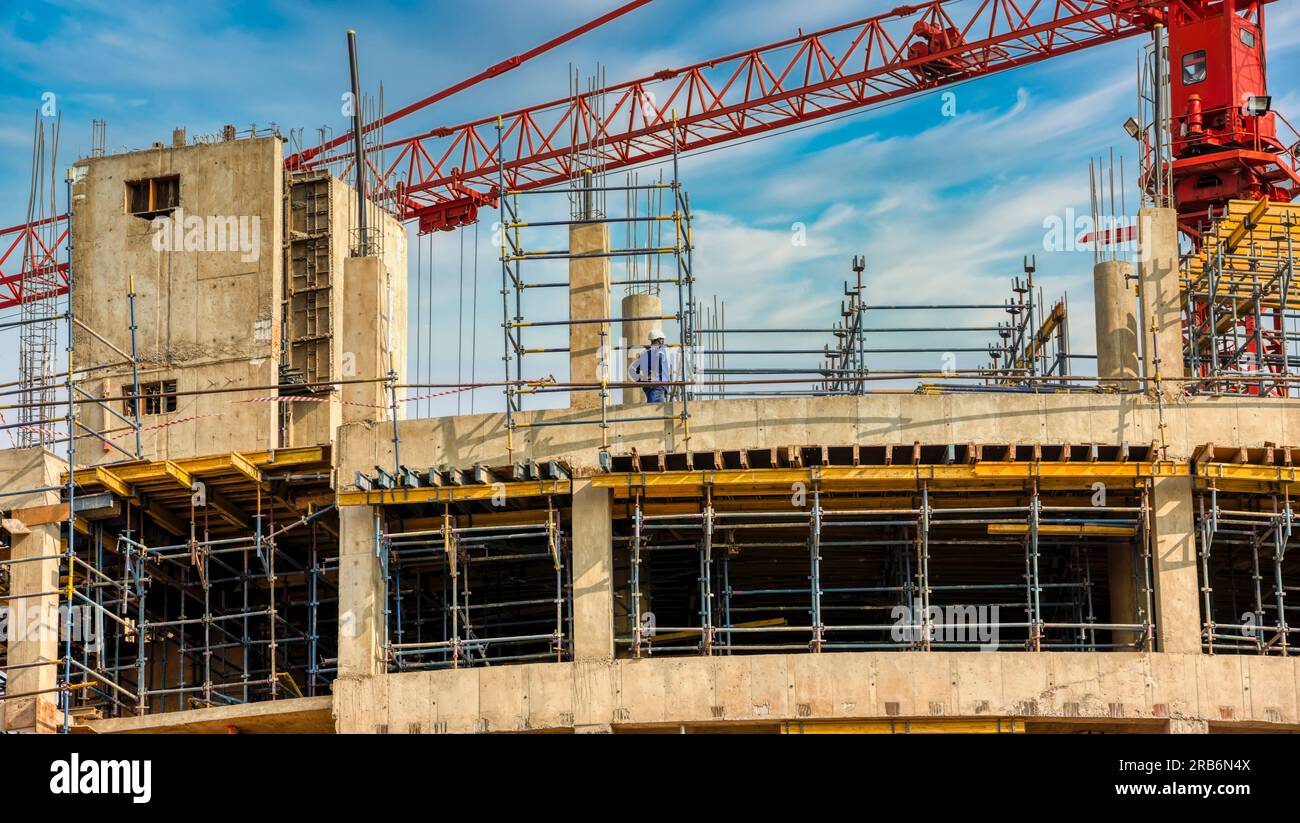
{"points": [[837, 549], [211, 573], [476, 563], [176, 612], [658, 254], [1244, 520], [1031, 348], [52, 407], [1242, 302], [1034, 340]]}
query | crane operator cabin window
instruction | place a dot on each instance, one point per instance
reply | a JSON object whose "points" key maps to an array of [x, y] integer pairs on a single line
{"points": [[1194, 68]]}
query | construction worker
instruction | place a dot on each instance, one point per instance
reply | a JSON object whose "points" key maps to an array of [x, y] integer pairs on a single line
{"points": [[654, 368]]}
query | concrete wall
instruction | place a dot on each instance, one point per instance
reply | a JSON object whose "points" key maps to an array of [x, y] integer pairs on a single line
{"points": [[206, 318], [730, 424], [24, 469], [1167, 688], [365, 338], [361, 596], [1161, 293], [1177, 588], [634, 336]]}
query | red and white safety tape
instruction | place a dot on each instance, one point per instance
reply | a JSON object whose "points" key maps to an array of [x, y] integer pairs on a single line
{"points": [[157, 426], [305, 399]]}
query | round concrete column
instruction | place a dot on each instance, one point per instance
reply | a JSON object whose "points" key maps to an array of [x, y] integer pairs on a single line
{"points": [[1117, 324], [635, 334]]}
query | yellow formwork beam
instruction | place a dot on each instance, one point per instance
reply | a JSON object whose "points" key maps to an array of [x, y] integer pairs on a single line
{"points": [[905, 485], [689, 633], [1077, 530], [1248, 224], [183, 478], [104, 477], [1246, 477], [1256, 239], [1254, 473], [883, 478], [1272, 215], [455, 494], [158, 470], [245, 467]]}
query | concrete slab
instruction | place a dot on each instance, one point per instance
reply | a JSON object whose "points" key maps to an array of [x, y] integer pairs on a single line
{"points": [[1120, 687], [305, 715]]}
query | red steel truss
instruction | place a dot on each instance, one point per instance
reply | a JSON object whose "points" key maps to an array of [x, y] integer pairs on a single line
{"points": [[441, 177], [15, 243]]}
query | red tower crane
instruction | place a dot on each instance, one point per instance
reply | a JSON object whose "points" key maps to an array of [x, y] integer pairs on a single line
{"points": [[1224, 145]]}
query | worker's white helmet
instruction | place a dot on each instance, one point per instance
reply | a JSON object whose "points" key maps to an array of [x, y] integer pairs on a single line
{"points": [[656, 334]]}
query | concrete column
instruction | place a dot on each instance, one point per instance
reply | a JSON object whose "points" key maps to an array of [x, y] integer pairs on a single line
{"points": [[1177, 604], [1118, 331], [635, 334], [363, 343], [1160, 293], [593, 572], [34, 628], [361, 595], [35, 530], [1120, 562], [588, 300]]}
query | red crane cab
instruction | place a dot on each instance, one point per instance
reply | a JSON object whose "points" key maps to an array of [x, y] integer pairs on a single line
{"points": [[1225, 141]]}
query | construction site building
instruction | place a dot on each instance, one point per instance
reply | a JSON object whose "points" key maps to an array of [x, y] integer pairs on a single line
{"points": [[265, 542]]}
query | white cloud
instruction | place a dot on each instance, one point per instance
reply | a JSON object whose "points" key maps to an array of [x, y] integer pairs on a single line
{"points": [[1282, 24]]}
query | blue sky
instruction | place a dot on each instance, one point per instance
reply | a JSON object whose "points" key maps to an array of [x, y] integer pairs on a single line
{"points": [[943, 208]]}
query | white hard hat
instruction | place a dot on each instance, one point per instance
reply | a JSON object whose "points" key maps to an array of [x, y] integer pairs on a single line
{"points": [[656, 334]]}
